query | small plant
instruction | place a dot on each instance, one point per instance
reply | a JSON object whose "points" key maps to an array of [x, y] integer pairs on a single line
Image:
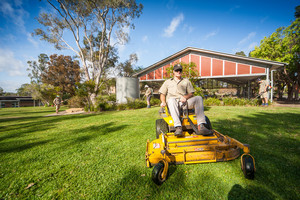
{"points": [[121, 106], [212, 102]]}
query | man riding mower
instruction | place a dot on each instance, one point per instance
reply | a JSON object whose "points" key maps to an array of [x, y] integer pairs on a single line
{"points": [[188, 138], [190, 147]]}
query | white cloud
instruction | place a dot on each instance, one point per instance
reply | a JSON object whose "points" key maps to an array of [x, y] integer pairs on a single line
{"points": [[170, 4], [32, 41], [13, 11], [252, 46], [234, 8], [245, 49], [145, 38], [168, 32], [211, 34], [10, 85], [247, 38], [188, 29], [9, 64], [264, 19]]}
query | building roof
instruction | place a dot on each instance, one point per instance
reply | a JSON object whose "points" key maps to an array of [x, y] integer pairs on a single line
{"points": [[272, 65], [14, 98]]}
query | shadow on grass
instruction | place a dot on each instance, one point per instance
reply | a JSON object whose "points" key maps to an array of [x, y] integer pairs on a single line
{"points": [[29, 125], [20, 114], [77, 135], [207, 108], [275, 147], [250, 192], [135, 186], [92, 132], [9, 147]]}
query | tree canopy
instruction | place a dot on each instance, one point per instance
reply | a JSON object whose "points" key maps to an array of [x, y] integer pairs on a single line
{"points": [[283, 46], [126, 69], [62, 72], [97, 23], [240, 53], [36, 69]]}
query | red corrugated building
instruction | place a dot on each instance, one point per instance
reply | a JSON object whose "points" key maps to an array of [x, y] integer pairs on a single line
{"points": [[234, 69]]}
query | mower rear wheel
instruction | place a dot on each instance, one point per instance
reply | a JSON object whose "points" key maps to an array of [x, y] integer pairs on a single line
{"points": [[208, 124], [161, 126], [248, 166], [157, 173]]}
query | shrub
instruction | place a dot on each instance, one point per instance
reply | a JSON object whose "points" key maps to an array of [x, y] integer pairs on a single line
{"points": [[212, 102], [240, 102], [112, 97], [155, 101], [76, 102], [121, 106], [229, 102], [105, 106], [135, 103]]}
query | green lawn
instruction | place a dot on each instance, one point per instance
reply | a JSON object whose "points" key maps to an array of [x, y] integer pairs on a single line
{"points": [[101, 156]]}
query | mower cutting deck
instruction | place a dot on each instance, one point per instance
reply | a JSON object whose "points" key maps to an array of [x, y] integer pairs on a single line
{"points": [[191, 148]]}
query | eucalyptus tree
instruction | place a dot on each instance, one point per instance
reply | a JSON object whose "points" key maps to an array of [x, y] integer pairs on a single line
{"points": [[86, 20], [284, 46], [37, 68]]}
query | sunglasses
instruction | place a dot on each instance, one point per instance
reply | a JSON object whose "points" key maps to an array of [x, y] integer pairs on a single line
{"points": [[178, 70]]}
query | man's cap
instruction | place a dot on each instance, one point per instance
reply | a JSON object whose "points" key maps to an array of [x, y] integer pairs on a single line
{"points": [[146, 86], [258, 79], [177, 67], [57, 95]]}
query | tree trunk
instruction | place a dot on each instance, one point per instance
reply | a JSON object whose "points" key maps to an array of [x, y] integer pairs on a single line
{"points": [[290, 92], [296, 91], [93, 99], [280, 89]]}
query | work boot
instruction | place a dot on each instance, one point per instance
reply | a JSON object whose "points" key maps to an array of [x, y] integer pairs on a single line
{"points": [[178, 131], [204, 131]]}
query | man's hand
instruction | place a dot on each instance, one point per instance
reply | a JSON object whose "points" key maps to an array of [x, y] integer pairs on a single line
{"points": [[163, 104], [163, 100], [182, 99]]}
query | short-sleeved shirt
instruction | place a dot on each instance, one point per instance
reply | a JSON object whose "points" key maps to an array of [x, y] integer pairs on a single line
{"points": [[173, 89], [149, 92], [57, 101], [262, 86]]}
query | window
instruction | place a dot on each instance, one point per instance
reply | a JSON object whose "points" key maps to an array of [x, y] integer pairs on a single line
{"points": [[15, 104]]}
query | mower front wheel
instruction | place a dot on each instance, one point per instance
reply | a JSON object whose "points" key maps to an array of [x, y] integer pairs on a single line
{"points": [[248, 166], [207, 124], [161, 126], [157, 173]]}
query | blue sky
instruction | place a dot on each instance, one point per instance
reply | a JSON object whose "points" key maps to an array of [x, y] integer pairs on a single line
{"points": [[165, 27]]}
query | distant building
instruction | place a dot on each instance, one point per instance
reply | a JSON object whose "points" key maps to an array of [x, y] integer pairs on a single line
{"points": [[17, 101]]}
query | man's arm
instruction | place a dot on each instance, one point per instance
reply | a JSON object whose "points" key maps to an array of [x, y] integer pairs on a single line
{"points": [[163, 100], [186, 97], [266, 86], [147, 92]]}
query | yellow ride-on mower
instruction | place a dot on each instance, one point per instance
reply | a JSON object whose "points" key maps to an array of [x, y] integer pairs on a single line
{"points": [[192, 148]]}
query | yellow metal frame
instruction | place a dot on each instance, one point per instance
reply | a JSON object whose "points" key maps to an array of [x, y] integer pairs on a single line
{"points": [[192, 148]]}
